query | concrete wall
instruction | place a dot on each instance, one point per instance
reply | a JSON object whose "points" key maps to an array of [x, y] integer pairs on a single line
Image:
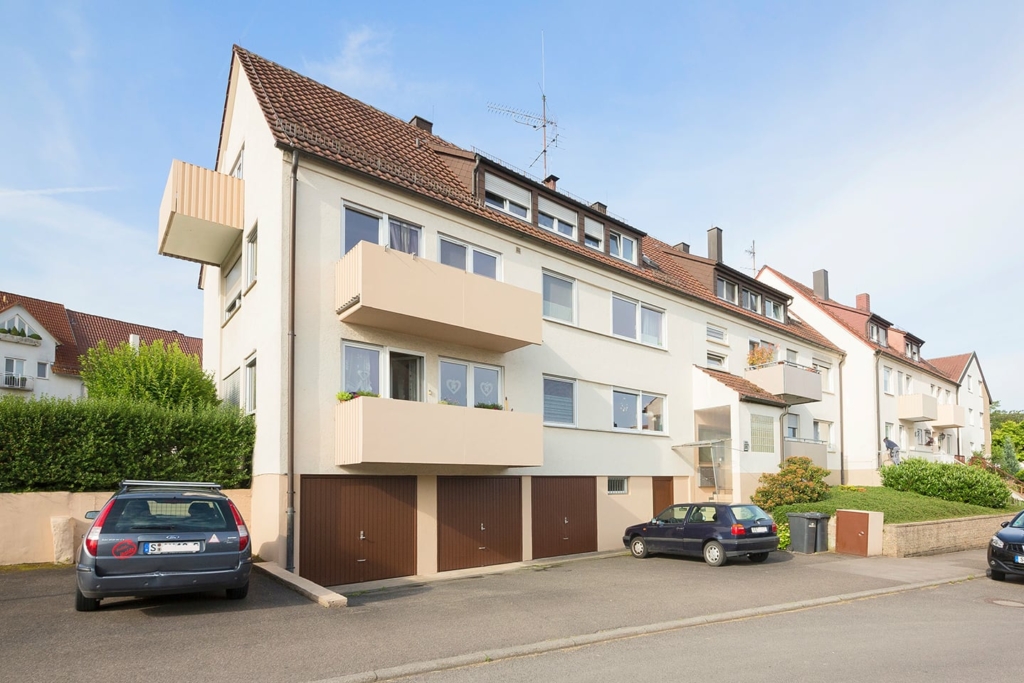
{"points": [[940, 536], [616, 511], [35, 537]]}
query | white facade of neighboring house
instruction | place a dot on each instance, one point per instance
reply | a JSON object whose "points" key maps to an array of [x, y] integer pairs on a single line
{"points": [[621, 384], [973, 396], [28, 363]]}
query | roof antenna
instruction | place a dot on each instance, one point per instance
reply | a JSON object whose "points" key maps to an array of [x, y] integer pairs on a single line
{"points": [[752, 253], [526, 118]]}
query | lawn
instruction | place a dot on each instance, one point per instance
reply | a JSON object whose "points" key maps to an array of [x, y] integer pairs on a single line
{"points": [[899, 506]]}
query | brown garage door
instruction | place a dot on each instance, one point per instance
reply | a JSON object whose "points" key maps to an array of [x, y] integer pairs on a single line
{"points": [[663, 494], [357, 528], [479, 521], [564, 515]]}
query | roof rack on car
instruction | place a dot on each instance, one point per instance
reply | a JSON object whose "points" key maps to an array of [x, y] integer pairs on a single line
{"points": [[141, 485]]}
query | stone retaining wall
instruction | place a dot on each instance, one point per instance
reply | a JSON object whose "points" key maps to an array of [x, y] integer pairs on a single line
{"points": [[940, 536]]}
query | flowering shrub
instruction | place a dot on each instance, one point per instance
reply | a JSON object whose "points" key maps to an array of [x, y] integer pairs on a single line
{"points": [[347, 396], [799, 480], [759, 355]]}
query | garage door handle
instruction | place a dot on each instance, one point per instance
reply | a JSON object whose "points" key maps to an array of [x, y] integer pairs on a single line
{"points": [[362, 536], [482, 527], [566, 520]]}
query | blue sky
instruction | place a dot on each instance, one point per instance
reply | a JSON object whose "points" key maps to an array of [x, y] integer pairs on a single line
{"points": [[880, 140]]}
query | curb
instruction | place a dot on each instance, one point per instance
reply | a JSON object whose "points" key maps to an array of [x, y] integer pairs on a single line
{"points": [[304, 587], [485, 656]]}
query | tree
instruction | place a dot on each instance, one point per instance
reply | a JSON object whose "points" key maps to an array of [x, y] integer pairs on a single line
{"points": [[154, 373], [1012, 432], [998, 417], [1009, 455]]}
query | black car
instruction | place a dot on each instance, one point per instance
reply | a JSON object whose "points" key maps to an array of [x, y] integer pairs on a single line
{"points": [[1006, 549], [156, 538], [716, 531]]}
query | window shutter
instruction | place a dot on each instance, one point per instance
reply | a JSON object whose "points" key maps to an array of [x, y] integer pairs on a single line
{"points": [[557, 210], [503, 188], [594, 228]]}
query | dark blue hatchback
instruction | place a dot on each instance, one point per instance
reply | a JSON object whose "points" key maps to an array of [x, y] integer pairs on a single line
{"points": [[716, 531], [1006, 550]]}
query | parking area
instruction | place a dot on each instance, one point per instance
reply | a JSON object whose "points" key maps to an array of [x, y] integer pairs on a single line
{"points": [[276, 635]]}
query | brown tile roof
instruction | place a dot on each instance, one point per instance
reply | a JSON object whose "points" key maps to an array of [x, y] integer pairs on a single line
{"points": [[855, 320], [952, 366], [78, 332], [747, 390], [320, 121]]}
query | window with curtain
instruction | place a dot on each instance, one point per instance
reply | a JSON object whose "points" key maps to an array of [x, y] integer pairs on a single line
{"points": [[403, 236], [650, 326], [231, 390], [360, 369], [559, 401]]}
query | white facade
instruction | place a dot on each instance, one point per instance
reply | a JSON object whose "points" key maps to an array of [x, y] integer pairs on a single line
{"points": [[28, 363]]}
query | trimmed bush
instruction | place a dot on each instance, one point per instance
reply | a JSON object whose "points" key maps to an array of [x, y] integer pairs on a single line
{"points": [[952, 482], [799, 480], [65, 445]]}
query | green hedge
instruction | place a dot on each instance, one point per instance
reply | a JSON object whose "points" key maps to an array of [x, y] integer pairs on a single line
{"points": [[952, 482], [91, 445]]}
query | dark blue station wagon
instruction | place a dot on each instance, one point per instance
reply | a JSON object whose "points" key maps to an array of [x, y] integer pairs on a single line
{"points": [[716, 531]]}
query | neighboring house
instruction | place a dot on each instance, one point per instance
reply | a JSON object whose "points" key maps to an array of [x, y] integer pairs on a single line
{"points": [[889, 389], [548, 374], [41, 358], [973, 395]]}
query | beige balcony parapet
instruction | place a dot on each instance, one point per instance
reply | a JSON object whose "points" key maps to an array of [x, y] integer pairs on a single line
{"points": [[392, 290], [792, 383], [379, 430], [817, 451], [949, 416], [918, 408], [201, 215]]}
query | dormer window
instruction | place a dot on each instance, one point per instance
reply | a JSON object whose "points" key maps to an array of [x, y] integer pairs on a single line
{"points": [[751, 301], [727, 290], [18, 325], [912, 350], [774, 310], [594, 234], [556, 218], [878, 334], [504, 196], [622, 247]]}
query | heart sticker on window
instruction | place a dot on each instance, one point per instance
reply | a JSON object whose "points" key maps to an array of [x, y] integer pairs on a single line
{"points": [[453, 385], [486, 388]]}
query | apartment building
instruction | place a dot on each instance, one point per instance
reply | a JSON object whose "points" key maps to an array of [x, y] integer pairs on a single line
{"points": [[41, 342], [890, 389], [524, 373], [972, 395]]}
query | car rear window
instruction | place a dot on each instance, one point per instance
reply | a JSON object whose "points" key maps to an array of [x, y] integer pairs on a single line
{"points": [[161, 512], [748, 513]]}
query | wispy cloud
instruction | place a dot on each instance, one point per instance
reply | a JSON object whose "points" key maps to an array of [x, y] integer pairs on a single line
{"points": [[362, 64], [48, 191]]}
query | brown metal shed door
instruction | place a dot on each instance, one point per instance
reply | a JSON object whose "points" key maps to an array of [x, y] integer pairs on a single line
{"points": [[564, 515], [851, 533], [355, 529], [479, 521], [663, 494]]}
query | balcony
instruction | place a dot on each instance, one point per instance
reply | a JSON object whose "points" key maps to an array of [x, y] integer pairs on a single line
{"points": [[201, 214], [391, 290], [17, 382], [792, 383], [387, 431], [817, 451], [918, 408], [949, 416]]}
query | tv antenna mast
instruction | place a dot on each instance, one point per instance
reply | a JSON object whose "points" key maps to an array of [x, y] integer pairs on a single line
{"points": [[752, 253], [526, 118]]}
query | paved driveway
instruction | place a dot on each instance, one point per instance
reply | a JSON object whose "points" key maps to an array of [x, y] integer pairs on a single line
{"points": [[276, 635]]}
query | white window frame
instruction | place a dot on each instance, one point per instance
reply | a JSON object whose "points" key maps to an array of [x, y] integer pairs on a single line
{"points": [[614, 236], [887, 380], [382, 384], [749, 296], [715, 340], [238, 168], [593, 230], [638, 307], [470, 250], [251, 257], [383, 226], [45, 367], [790, 418], [970, 385], [725, 284], [231, 299], [970, 416], [639, 394], [792, 356], [494, 192], [908, 384], [775, 307], [471, 367], [878, 334], [824, 369], [224, 383], [888, 429], [575, 397], [559, 216], [619, 491], [720, 357], [250, 385], [14, 365], [20, 324], [563, 278]]}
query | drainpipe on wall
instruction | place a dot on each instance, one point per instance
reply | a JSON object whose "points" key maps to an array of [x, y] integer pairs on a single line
{"points": [[782, 435], [878, 413], [842, 426], [289, 552]]}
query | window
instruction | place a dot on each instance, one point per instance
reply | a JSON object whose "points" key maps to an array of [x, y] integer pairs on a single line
{"points": [[716, 333], [230, 390], [878, 334], [404, 237], [751, 301], [559, 401], [727, 290], [236, 170], [250, 386], [823, 433], [903, 438], [618, 485], [899, 383], [14, 373], [406, 376], [887, 380], [625, 410], [970, 416], [467, 257], [792, 356], [760, 343], [949, 396], [470, 384], [825, 370], [360, 369], [774, 310], [652, 413], [628, 316], [888, 430], [762, 434], [970, 385], [792, 426], [703, 514], [556, 218], [16, 322], [360, 226], [505, 196], [621, 246], [716, 360], [911, 350], [919, 437], [42, 370], [232, 288], [908, 385], [594, 234], [250, 259], [559, 294]]}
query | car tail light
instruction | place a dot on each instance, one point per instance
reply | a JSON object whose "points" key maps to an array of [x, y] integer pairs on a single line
{"points": [[92, 539], [775, 528], [243, 531], [738, 530]]}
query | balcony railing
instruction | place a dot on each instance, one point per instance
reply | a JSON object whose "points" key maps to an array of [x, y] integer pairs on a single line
{"points": [[918, 408], [18, 382], [949, 416], [201, 214], [814, 449], [380, 430], [392, 290], [792, 383]]}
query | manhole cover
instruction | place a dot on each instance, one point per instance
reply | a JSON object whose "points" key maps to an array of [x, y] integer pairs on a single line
{"points": [[1007, 603]]}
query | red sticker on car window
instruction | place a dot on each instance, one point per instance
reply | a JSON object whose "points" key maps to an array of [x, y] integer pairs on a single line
{"points": [[124, 549]]}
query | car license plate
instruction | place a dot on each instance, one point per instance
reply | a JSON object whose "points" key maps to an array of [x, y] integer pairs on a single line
{"points": [[758, 529], [171, 547], [1019, 559]]}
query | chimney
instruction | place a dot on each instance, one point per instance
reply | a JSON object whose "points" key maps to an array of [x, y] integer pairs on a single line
{"points": [[551, 181], [864, 302], [599, 207], [134, 340], [422, 124], [683, 247], [715, 244], [821, 284]]}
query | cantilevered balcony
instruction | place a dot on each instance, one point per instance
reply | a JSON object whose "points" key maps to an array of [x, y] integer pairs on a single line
{"points": [[792, 383], [392, 290], [817, 451], [918, 408], [201, 214], [949, 417], [379, 430]]}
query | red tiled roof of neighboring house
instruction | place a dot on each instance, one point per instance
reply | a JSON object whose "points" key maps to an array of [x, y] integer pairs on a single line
{"points": [[855, 320], [315, 119], [952, 366], [747, 390], [76, 332]]}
